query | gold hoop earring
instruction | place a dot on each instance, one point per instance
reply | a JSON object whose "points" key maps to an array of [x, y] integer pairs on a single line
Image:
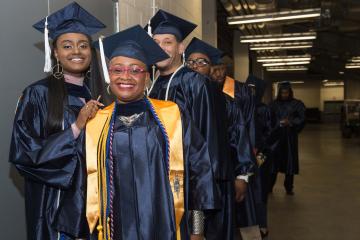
{"points": [[57, 70]]}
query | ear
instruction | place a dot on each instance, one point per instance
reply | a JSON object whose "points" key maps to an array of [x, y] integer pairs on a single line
{"points": [[56, 53], [181, 48]]}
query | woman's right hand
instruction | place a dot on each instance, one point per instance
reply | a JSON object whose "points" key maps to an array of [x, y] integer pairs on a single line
{"points": [[88, 112]]}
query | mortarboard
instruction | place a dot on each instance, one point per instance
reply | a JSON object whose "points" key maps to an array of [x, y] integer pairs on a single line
{"points": [[134, 43], [198, 46], [166, 23]]}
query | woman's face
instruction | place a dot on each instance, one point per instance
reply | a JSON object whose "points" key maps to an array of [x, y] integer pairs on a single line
{"points": [[73, 51], [127, 78]]}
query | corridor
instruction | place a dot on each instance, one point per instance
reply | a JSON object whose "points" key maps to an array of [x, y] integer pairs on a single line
{"points": [[326, 204]]}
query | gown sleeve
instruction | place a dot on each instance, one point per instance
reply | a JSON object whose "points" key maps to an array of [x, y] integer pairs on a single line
{"points": [[50, 160], [244, 161], [297, 119], [202, 191], [204, 118]]}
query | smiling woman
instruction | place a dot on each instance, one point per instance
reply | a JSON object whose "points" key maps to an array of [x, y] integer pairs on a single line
{"points": [[147, 165], [46, 144]]}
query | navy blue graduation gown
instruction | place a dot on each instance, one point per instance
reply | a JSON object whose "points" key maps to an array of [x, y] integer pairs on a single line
{"points": [[286, 156], [192, 93], [143, 206], [53, 166]]}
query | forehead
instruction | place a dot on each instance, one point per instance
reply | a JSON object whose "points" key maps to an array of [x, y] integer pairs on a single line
{"points": [[122, 60], [73, 37], [219, 67], [197, 55], [165, 36]]}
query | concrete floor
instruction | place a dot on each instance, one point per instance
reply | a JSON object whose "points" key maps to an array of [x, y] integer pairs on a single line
{"points": [[326, 204]]}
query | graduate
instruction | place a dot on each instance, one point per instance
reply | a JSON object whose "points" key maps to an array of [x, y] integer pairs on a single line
{"points": [[178, 83], [46, 146], [242, 95], [264, 144], [200, 56], [149, 169], [290, 120]]}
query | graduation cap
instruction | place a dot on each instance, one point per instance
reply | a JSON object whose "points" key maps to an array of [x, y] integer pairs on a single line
{"points": [[134, 43], [284, 85], [198, 46], [70, 19], [166, 23]]}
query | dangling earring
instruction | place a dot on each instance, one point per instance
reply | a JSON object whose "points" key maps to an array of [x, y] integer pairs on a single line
{"points": [[58, 74], [183, 60], [108, 89], [88, 74]]}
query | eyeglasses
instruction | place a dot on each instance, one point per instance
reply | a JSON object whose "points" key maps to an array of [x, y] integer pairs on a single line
{"points": [[134, 71], [199, 62]]}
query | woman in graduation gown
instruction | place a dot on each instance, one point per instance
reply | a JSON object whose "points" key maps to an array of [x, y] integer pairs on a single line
{"points": [[45, 145], [149, 171]]}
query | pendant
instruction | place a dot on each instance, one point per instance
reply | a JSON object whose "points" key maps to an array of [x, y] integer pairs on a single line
{"points": [[129, 120]]}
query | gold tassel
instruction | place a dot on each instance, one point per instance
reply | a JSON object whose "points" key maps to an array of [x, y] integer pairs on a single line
{"points": [[100, 232]]}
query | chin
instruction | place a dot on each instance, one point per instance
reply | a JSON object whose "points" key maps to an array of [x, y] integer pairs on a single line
{"points": [[163, 64]]}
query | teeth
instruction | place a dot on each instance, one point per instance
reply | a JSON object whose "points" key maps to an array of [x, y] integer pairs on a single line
{"points": [[76, 59], [123, 85]]}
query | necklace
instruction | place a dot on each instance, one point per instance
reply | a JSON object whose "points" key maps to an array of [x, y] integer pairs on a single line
{"points": [[129, 120]]}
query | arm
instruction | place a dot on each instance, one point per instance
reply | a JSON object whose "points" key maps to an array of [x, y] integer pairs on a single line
{"points": [[47, 159]]}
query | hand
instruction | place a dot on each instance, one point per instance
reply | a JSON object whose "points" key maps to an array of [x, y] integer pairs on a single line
{"points": [[87, 112], [197, 237], [240, 190], [285, 122]]}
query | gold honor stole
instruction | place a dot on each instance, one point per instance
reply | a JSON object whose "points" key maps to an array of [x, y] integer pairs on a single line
{"points": [[229, 87], [96, 136]]}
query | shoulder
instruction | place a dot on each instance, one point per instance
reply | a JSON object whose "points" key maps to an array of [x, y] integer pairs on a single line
{"points": [[161, 104], [39, 87], [35, 93], [193, 78]]}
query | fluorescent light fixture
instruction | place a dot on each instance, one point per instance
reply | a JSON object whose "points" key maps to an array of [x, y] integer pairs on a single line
{"points": [[278, 37], [292, 82], [333, 84], [294, 58], [355, 59], [341, 72], [325, 80], [352, 65], [281, 46], [286, 69], [275, 16], [285, 63]]}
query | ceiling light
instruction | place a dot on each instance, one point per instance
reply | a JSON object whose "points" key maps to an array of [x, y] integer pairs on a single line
{"points": [[278, 37], [352, 65], [325, 80], [285, 69], [355, 59], [275, 16], [294, 58], [285, 63], [333, 84], [281, 46]]}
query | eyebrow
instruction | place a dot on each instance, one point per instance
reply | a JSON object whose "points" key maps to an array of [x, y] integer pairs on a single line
{"points": [[70, 41]]}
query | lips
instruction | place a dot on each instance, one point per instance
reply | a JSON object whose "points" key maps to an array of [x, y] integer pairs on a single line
{"points": [[125, 85], [77, 59]]}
